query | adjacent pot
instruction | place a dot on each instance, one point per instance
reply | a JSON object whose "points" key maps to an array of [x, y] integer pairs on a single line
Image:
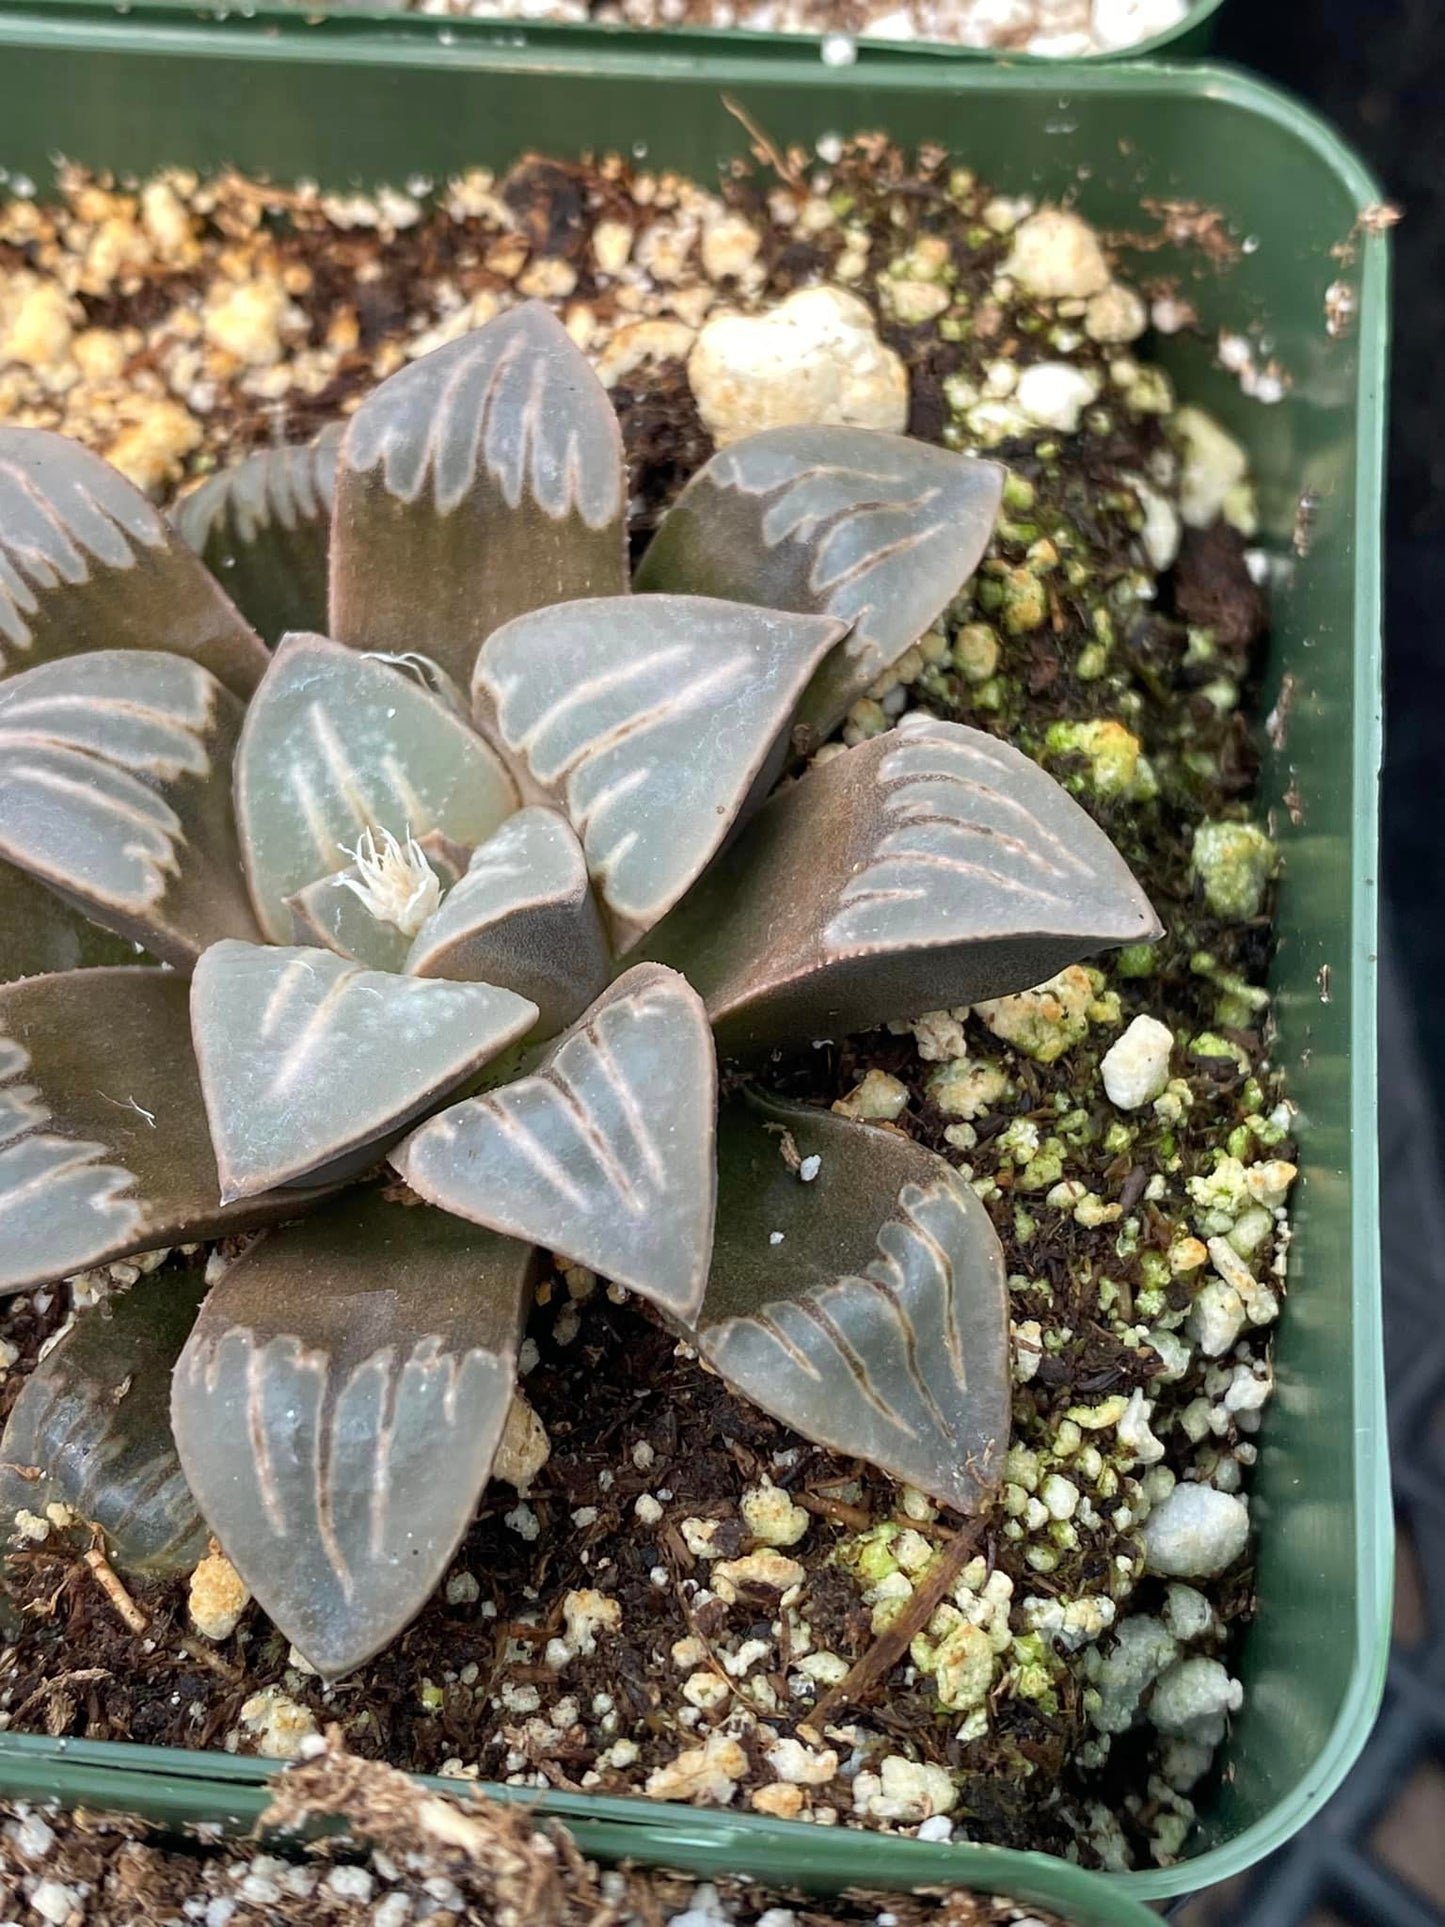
{"points": [[341, 105], [1192, 35]]}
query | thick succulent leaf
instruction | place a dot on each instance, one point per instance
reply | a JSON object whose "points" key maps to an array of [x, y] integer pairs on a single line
{"points": [[523, 915], [653, 721], [336, 744], [328, 915], [338, 1408], [877, 1322], [605, 1154], [930, 867], [115, 790], [39, 934], [263, 529], [482, 480], [93, 1419], [87, 563], [310, 1063], [877, 529], [103, 1143], [333, 911]]}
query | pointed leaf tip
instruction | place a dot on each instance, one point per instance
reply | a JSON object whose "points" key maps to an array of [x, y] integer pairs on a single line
{"points": [[338, 1407], [482, 480], [87, 563], [605, 1154], [309, 1063], [929, 867], [653, 721], [879, 530], [867, 1308]]}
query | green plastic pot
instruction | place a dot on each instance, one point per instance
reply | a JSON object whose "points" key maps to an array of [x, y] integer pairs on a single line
{"points": [[1192, 36], [361, 108]]}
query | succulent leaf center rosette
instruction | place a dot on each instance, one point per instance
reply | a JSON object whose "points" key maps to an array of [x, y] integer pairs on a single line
{"points": [[476, 887]]}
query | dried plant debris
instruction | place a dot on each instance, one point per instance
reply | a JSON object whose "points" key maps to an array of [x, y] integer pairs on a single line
{"points": [[673, 1582], [406, 1856]]}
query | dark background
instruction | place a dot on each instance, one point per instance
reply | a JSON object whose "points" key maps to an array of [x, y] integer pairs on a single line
{"points": [[1375, 1856], [1378, 72]]}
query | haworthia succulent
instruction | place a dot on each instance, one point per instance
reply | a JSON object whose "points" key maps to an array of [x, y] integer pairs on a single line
{"points": [[505, 774]]}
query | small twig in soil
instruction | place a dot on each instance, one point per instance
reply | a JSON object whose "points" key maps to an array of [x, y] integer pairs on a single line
{"points": [[869, 1672], [764, 149], [202, 1654], [857, 1518], [933, 1529], [114, 1591]]}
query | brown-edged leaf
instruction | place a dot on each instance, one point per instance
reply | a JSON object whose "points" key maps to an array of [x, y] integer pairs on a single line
{"points": [[654, 721], [103, 1142], [877, 529], [478, 482], [338, 1407], [605, 1153], [115, 790], [39, 934], [524, 916], [263, 529], [864, 1305], [87, 563], [310, 1064], [929, 867], [94, 1420]]}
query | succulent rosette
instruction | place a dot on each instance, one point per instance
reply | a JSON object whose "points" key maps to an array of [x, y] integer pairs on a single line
{"points": [[425, 937]]}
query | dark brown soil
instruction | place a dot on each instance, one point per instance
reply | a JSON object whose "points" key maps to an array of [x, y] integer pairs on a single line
{"points": [[632, 1417]]}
